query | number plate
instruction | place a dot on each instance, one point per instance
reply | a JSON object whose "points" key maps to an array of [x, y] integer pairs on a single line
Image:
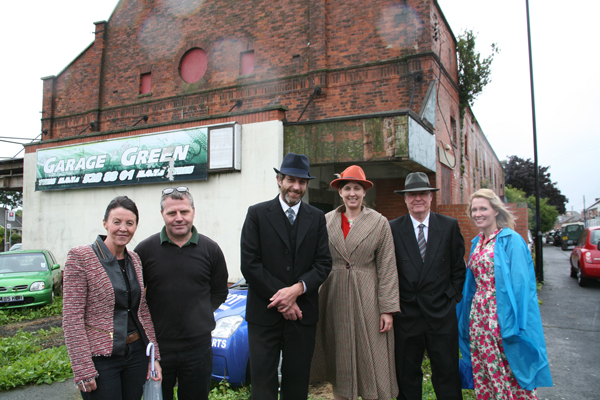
{"points": [[8, 299]]}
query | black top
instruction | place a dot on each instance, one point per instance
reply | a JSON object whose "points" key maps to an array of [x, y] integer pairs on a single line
{"points": [[184, 285], [127, 291]]}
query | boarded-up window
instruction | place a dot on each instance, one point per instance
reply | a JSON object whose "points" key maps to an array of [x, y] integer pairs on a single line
{"points": [[446, 186], [193, 65], [145, 83], [247, 63], [454, 132]]}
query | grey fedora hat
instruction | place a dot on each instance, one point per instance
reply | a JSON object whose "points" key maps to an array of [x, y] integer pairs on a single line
{"points": [[416, 182]]}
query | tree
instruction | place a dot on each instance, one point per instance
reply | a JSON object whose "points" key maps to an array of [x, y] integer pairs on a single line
{"points": [[11, 199], [548, 213], [473, 72], [521, 174]]}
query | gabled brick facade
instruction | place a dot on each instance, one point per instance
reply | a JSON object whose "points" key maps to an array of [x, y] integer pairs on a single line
{"points": [[349, 63]]}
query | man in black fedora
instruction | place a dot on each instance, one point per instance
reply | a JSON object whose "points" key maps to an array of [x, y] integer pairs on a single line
{"points": [[284, 258], [431, 270]]}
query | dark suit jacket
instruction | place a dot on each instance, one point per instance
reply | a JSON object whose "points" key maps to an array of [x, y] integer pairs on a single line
{"points": [[432, 288], [267, 264]]}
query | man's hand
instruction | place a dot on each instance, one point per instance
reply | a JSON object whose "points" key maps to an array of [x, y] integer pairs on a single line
{"points": [[293, 313], [286, 297]]}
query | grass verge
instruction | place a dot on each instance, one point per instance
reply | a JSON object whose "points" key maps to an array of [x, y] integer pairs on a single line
{"points": [[13, 315]]}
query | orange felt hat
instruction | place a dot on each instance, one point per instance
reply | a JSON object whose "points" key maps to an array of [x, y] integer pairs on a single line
{"points": [[353, 173]]}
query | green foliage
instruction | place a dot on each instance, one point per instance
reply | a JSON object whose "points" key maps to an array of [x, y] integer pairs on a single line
{"points": [[23, 362], [520, 173], [11, 199], [12, 315], [473, 72], [224, 391], [548, 213]]}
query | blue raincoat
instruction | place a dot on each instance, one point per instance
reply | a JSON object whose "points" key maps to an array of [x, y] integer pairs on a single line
{"points": [[518, 312]]}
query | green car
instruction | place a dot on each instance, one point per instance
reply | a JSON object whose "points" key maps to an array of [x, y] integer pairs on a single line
{"points": [[29, 278]]}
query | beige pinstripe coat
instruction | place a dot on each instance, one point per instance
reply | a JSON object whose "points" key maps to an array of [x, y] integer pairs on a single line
{"points": [[350, 352]]}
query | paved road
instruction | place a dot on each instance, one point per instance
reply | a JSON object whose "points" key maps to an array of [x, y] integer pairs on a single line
{"points": [[56, 391], [571, 318]]}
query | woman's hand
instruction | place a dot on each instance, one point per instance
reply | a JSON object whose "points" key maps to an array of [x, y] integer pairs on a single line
{"points": [[87, 386], [158, 370], [386, 321]]}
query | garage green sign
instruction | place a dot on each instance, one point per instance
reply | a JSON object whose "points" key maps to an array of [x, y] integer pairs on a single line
{"points": [[179, 155]]}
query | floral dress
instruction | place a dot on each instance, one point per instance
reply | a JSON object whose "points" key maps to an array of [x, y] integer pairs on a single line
{"points": [[492, 375]]}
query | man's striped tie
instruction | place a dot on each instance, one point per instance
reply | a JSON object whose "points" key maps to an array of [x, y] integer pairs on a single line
{"points": [[291, 215], [421, 241]]}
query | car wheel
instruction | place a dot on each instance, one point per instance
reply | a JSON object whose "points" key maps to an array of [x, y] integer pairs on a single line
{"points": [[582, 280], [564, 248], [573, 272], [52, 297]]}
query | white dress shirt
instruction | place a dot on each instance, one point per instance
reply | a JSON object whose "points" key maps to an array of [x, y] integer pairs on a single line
{"points": [[295, 208], [425, 229], [285, 207]]}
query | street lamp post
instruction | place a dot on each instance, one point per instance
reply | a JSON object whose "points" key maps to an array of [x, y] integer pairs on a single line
{"points": [[539, 257]]}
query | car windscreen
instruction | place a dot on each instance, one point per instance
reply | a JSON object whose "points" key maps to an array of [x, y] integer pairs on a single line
{"points": [[572, 228], [595, 237], [25, 262]]}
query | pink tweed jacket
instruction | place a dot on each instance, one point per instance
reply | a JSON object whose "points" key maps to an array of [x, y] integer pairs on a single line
{"points": [[88, 307]]}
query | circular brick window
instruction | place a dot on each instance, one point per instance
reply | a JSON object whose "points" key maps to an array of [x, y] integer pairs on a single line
{"points": [[193, 65]]}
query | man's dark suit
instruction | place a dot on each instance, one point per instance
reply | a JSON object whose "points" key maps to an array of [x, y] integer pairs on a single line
{"points": [[429, 292], [268, 265]]}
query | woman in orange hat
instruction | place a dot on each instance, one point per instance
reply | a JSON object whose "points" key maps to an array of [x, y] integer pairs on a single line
{"points": [[355, 342]]}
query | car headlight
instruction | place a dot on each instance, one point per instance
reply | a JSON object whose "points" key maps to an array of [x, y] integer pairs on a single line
{"points": [[226, 326], [35, 286]]}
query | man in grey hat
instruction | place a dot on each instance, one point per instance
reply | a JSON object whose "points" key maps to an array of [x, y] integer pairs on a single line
{"points": [[431, 271], [285, 258]]}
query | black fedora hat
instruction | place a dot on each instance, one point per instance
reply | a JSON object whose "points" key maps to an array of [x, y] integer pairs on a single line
{"points": [[416, 182], [295, 165]]}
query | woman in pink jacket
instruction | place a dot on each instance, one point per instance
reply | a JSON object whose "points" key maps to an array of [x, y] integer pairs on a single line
{"points": [[106, 321]]}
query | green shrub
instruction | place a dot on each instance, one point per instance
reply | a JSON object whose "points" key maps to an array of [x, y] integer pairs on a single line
{"points": [[45, 366]]}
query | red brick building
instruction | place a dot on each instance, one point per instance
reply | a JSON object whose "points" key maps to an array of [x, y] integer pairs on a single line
{"points": [[372, 83]]}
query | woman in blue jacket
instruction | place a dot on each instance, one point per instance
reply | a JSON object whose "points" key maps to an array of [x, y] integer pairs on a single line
{"points": [[500, 328]]}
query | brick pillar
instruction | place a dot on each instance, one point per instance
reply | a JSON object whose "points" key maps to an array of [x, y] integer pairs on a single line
{"points": [[98, 49], [48, 106]]}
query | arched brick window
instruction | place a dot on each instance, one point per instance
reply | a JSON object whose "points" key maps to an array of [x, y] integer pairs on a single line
{"points": [[193, 65]]}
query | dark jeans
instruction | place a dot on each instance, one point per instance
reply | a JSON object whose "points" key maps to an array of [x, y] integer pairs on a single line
{"points": [[120, 377], [191, 369]]}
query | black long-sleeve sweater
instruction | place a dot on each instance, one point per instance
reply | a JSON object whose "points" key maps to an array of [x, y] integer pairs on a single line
{"points": [[183, 288]]}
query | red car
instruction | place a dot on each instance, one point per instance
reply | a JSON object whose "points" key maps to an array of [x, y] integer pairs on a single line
{"points": [[585, 257]]}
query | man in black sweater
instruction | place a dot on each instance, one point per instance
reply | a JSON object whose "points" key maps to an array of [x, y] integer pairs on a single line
{"points": [[185, 275]]}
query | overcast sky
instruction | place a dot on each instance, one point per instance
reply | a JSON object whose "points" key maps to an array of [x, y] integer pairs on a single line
{"points": [[42, 37]]}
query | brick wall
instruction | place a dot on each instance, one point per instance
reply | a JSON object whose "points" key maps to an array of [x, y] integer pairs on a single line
{"points": [[365, 62]]}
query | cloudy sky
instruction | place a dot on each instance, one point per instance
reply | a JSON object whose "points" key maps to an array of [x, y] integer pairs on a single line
{"points": [[42, 37]]}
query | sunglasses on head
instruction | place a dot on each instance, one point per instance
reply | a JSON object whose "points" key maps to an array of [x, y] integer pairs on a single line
{"points": [[180, 189]]}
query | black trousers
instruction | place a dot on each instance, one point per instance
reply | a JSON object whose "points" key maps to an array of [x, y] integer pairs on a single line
{"points": [[120, 377], [191, 369], [442, 348], [296, 342]]}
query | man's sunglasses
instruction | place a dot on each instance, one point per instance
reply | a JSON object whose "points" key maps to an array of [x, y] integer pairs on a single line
{"points": [[180, 189]]}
